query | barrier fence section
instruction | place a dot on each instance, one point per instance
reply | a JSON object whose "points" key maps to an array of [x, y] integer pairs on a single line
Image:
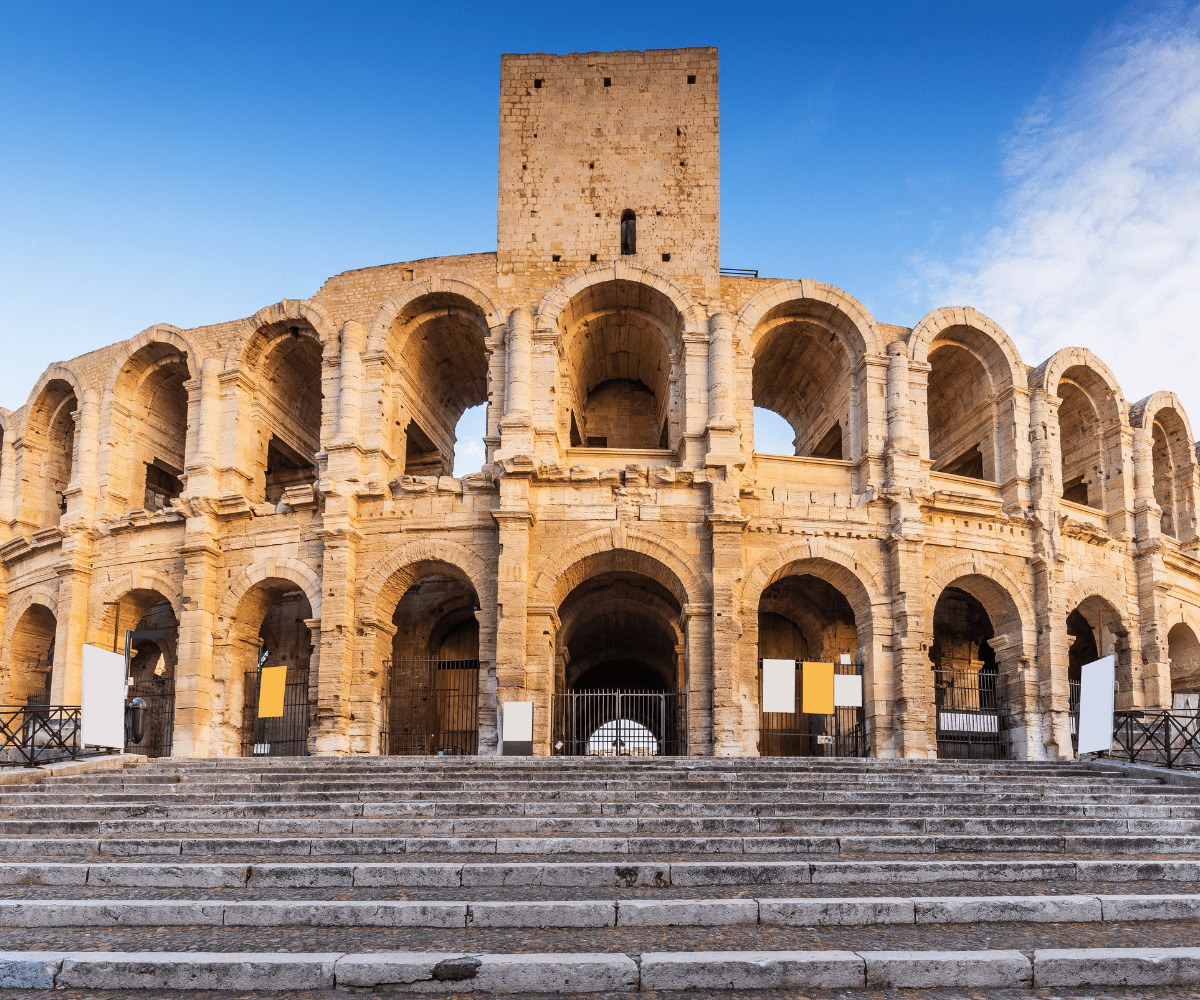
{"points": [[804, 734], [286, 736], [431, 707], [620, 723], [1166, 738], [39, 734], [970, 723]]}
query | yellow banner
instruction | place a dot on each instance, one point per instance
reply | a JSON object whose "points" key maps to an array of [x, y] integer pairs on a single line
{"points": [[817, 688], [270, 692]]}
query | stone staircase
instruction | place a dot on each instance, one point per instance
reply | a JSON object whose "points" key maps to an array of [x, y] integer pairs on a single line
{"points": [[590, 876]]}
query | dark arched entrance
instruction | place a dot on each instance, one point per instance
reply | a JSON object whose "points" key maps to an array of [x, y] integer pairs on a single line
{"points": [[620, 670], [967, 698]]}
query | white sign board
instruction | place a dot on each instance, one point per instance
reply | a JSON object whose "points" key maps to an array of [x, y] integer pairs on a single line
{"points": [[847, 691], [1097, 693], [518, 722], [102, 704], [779, 686]]}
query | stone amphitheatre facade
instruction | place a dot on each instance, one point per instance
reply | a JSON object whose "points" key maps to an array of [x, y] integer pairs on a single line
{"points": [[280, 487]]}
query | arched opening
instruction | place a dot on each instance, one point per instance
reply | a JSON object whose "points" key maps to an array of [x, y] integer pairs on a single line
{"points": [[1088, 458], [968, 692], [1096, 630], [439, 341], [801, 374], [1183, 650], [152, 660], [961, 408], [273, 626], [628, 233], [30, 662], [286, 411], [1173, 461], [151, 438], [805, 620], [620, 668], [49, 448], [431, 702], [470, 450], [618, 341]]}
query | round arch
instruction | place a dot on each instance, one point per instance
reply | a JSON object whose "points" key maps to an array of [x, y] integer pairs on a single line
{"points": [[292, 571], [1049, 373], [1110, 590], [407, 563], [434, 285], [160, 333], [858, 330], [137, 579], [556, 301], [39, 594], [247, 347], [638, 552], [948, 318], [57, 372], [1004, 596]]}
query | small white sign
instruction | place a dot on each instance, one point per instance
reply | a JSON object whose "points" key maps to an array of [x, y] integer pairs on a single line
{"points": [[845, 660], [518, 722], [847, 691], [102, 701], [1097, 697], [779, 686]]}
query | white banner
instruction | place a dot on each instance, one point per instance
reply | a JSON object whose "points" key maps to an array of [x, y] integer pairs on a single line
{"points": [[1097, 694], [779, 686], [518, 722], [847, 691], [102, 703]]}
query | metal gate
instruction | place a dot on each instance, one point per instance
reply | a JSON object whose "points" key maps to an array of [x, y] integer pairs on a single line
{"points": [[437, 715], [802, 734], [286, 736], [617, 723], [970, 725], [158, 692]]}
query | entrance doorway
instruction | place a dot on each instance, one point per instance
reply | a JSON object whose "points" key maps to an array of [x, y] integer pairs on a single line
{"points": [[620, 670], [968, 702]]}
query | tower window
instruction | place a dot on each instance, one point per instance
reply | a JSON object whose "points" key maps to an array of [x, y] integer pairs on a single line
{"points": [[608, 81], [691, 78], [666, 257], [628, 233], [537, 84], [556, 257]]}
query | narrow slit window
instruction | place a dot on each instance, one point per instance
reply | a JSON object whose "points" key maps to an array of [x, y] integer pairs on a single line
{"points": [[628, 233]]}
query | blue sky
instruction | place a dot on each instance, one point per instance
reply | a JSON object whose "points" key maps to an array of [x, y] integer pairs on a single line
{"points": [[190, 163]]}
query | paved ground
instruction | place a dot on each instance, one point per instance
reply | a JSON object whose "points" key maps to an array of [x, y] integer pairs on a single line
{"points": [[1138, 993]]}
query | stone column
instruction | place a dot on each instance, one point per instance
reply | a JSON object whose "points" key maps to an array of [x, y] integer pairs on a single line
{"points": [[904, 483], [541, 630], [334, 633], [8, 486], [238, 438], [344, 450], [514, 520], [724, 439], [516, 427], [698, 643], [735, 690], [194, 674], [204, 439], [1151, 573]]}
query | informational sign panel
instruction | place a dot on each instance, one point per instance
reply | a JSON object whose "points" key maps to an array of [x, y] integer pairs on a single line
{"points": [[102, 700], [1097, 694], [817, 688], [272, 683], [779, 686], [847, 691], [517, 728]]}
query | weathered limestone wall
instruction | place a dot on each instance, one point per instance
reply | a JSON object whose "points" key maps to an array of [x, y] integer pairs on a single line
{"points": [[565, 550]]}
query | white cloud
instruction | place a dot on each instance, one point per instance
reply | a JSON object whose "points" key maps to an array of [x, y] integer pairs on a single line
{"points": [[1100, 240]]}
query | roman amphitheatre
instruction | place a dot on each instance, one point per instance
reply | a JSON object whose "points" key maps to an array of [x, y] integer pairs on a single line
{"points": [[959, 526]]}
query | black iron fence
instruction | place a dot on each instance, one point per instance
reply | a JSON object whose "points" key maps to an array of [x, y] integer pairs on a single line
{"points": [[1166, 738], [158, 733], [39, 734], [805, 734], [1074, 688], [286, 736], [616, 723], [431, 707], [970, 722]]}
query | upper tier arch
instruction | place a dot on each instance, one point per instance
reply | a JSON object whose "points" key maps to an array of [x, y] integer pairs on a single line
{"points": [[940, 321], [857, 330]]}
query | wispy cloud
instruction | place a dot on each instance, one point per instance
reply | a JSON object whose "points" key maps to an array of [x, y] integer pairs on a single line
{"points": [[1100, 240]]}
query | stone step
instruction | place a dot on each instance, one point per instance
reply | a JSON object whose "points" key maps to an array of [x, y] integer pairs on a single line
{"points": [[525, 973], [367, 846], [626, 874], [724, 912]]}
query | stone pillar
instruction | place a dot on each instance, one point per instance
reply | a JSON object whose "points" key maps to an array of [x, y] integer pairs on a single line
{"points": [[516, 427], [75, 580], [724, 439], [194, 674], [1151, 573], [204, 439], [514, 520], [540, 634], [8, 487], [735, 690], [334, 633], [343, 451], [698, 646], [238, 437], [904, 484]]}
